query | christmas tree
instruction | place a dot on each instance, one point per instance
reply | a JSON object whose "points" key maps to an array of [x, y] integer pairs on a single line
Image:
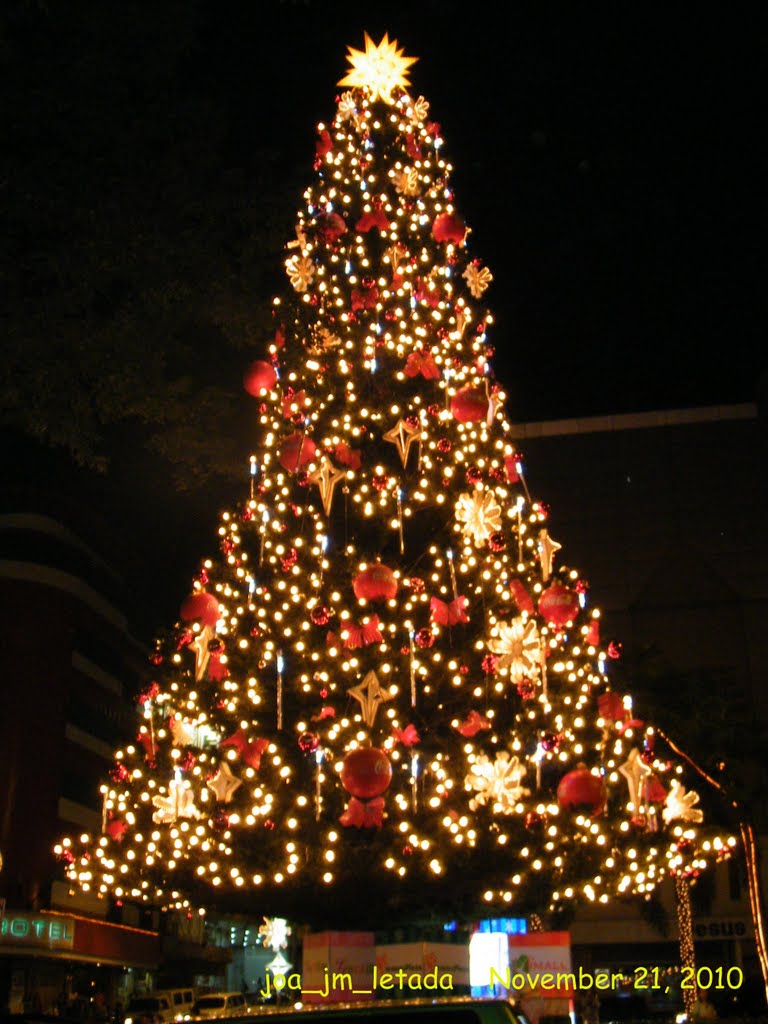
{"points": [[387, 689]]}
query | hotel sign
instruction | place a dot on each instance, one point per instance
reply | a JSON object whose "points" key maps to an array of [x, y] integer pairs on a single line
{"points": [[24, 930]]}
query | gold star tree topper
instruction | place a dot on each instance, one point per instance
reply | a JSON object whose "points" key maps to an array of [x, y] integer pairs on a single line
{"points": [[378, 69]]}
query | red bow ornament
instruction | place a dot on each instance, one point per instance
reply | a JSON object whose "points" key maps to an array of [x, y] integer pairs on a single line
{"points": [[375, 218], [347, 456], [448, 614], [293, 402], [473, 723], [422, 362], [354, 636], [365, 299], [363, 813], [407, 736]]}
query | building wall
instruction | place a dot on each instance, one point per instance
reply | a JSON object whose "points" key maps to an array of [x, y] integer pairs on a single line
{"points": [[70, 668]]}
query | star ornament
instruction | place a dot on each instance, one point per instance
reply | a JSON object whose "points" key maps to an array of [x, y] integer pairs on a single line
{"points": [[546, 546], [224, 784], [370, 694], [326, 476], [202, 655], [378, 69], [635, 771], [402, 435]]}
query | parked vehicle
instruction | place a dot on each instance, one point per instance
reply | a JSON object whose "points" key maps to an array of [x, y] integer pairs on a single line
{"points": [[215, 1005], [167, 1005]]}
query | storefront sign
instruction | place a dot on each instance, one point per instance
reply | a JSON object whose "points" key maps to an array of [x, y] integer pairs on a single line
{"points": [[722, 928], [20, 929]]}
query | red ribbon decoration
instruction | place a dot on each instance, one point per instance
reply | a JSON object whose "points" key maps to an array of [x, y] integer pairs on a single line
{"points": [[375, 218], [473, 723], [347, 456], [362, 635], [407, 736], [325, 712], [611, 706], [363, 814], [450, 614], [421, 362], [148, 694]]}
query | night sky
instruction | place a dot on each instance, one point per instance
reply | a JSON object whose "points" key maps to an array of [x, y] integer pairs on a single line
{"points": [[605, 158]]}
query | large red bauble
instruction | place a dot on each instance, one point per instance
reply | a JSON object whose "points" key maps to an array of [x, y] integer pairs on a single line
{"points": [[259, 377], [296, 452], [580, 790], [366, 772], [470, 405], [375, 583], [558, 604], [449, 227], [200, 607]]}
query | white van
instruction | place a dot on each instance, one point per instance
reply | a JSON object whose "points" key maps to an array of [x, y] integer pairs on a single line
{"points": [[166, 1005], [220, 1004]]}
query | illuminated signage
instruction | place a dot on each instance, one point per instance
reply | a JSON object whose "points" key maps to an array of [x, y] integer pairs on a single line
{"points": [[20, 929]]}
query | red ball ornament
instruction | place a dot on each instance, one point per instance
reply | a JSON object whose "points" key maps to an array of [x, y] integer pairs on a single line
{"points": [[550, 741], [296, 452], [580, 790], [375, 583], [308, 742], [497, 541], [449, 227], [366, 772], [424, 637], [320, 616], [200, 607], [474, 475], [534, 821], [470, 405], [558, 604], [259, 377], [416, 583], [526, 688], [444, 445]]}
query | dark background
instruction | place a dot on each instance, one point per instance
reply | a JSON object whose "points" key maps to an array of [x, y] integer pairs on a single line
{"points": [[606, 159]]}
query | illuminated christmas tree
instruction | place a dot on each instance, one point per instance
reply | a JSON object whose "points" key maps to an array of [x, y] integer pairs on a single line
{"points": [[387, 687]]}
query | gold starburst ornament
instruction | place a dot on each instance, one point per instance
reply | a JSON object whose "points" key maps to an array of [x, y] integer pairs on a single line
{"points": [[378, 69]]}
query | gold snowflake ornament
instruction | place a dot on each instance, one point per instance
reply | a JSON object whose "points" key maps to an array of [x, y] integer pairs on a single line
{"points": [[378, 69], [407, 181], [681, 806], [480, 514], [498, 782], [180, 803], [478, 279], [517, 646], [300, 270]]}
